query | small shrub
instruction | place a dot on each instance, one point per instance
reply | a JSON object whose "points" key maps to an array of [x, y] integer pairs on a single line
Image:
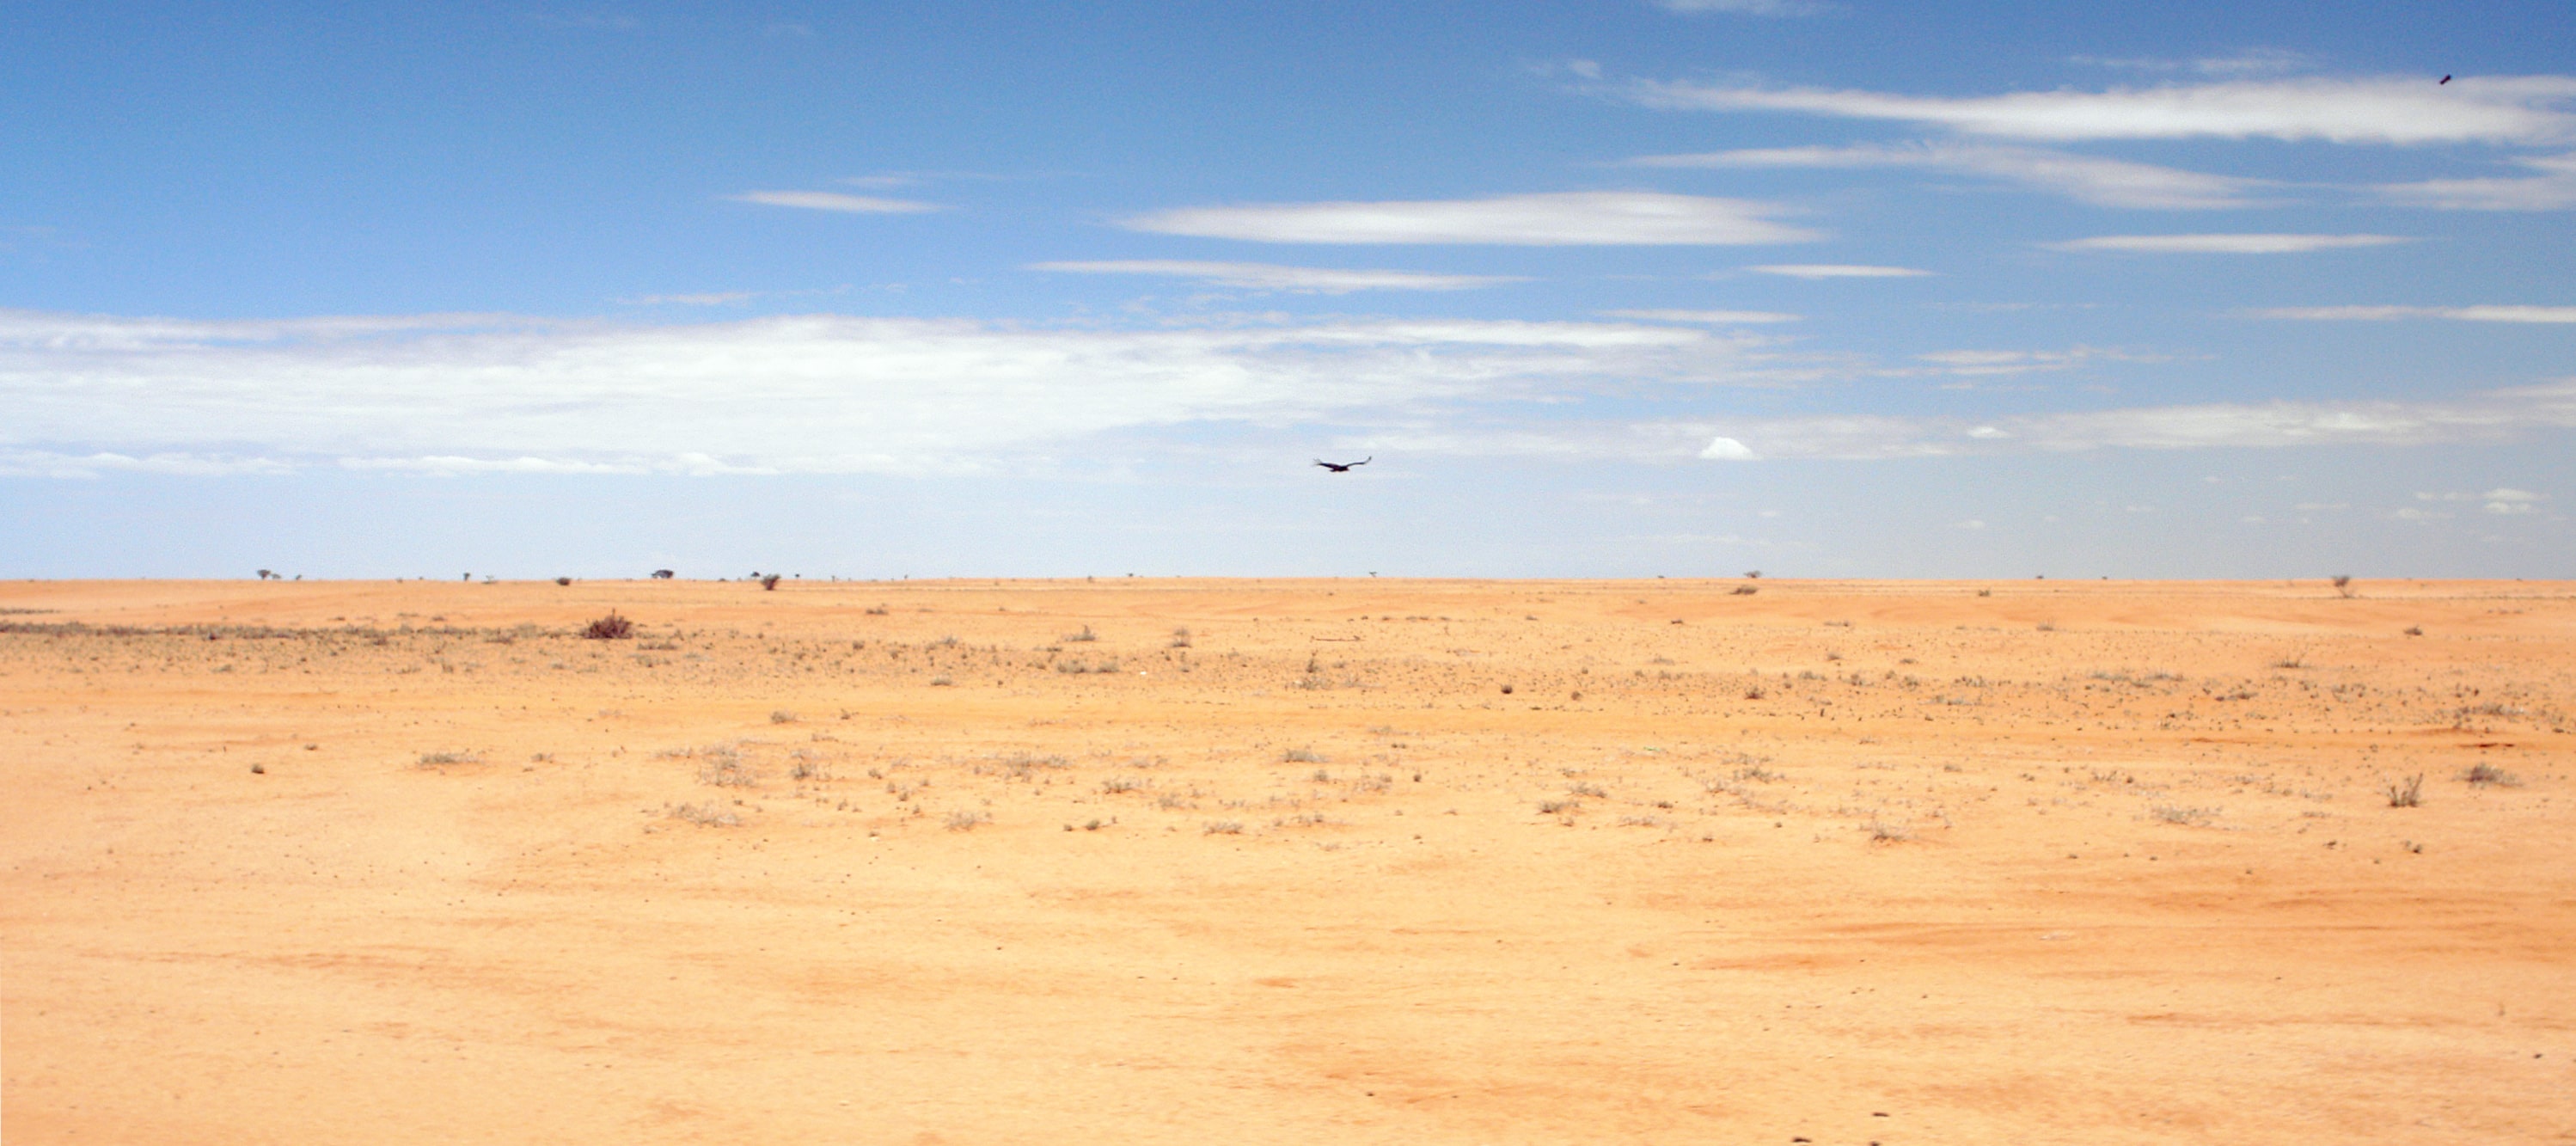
{"points": [[1888, 833], [707, 815], [941, 682], [2343, 584], [1085, 635], [1181, 637], [769, 583], [434, 759], [1221, 828], [1559, 807], [1116, 784], [563, 580], [663, 574], [2408, 793], [609, 628], [1752, 574], [2177, 814], [727, 770], [1507, 690], [1593, 790], [781, 716], [1985, 592], [2490, 774], [1753, 693], [963, 820], [1741, 591], [1301, 756], [2414, 630]]}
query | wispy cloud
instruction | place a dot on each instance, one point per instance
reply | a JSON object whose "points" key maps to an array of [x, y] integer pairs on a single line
{"points": [[2244, 244], [1837, 271], [2084, 178], [814, 393], [2502, 501], [2554, 189], [1580, 218], [711, 298], [1982, 363], [1745, 7], [2494, 415], [1269, 276], [836, 201], [2249, 62], [1712, 317], [2394, 313], [2403, 110]]}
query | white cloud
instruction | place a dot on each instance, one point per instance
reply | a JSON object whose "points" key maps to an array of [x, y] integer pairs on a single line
{"points": [[2242, 244], [1713, 317], [836, 201], [711, 298], [1974, 363], [1728, 450], [1579, 218], [2491, 313], [1268, 276], [2249, 62], [2494, 415], [1837, 271], [2554, 189], [1745, 7], [2503, 501], [811, 393], [2085, 178], [2403, 110]]}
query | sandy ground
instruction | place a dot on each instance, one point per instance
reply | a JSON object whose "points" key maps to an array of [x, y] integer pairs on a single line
{"points": [[1287, 861]]}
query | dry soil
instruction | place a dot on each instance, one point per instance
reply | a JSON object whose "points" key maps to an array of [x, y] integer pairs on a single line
{"points": [[1288, 861]]}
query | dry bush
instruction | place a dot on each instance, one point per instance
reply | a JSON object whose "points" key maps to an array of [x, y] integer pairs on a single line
{"points": [[2408, 793], [769, 583], [781, 716], [706, 815], [609, 628], [1301, 756], [434, 759], [965, 821], [2490, 774]]}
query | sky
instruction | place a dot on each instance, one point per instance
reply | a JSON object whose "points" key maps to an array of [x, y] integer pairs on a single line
{"points": [[1600, 288]]}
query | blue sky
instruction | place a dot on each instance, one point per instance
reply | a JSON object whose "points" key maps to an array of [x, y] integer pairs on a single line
{"points": [[1620, 288]]}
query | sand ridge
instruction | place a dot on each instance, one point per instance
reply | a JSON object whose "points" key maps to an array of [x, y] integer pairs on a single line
{"points": [[1151, 859]]}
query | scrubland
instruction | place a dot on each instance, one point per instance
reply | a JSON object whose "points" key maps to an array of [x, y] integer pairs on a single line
{"points": [[1295, 861]]}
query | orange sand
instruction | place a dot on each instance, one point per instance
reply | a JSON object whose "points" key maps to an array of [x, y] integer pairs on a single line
{"points": [[2069, 862]]}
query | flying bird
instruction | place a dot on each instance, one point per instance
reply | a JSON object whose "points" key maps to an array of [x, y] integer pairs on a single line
{"points": [[2445, 80], [1345, 467]]}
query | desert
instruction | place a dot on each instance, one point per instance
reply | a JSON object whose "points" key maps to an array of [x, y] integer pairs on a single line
{"points": [[1355, 860]]}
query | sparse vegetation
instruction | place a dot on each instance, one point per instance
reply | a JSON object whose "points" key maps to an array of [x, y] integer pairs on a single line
{"points": [[1741, 591], [2484, 774], [1221, 828], [2178, 814], [609, 628], [435, 759], [2406, 793], [707, 815], [1181, 637], [781, 716], [1077, 638], [1881, 833], [964, 820], [1301, 756], [2414, 630]]}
